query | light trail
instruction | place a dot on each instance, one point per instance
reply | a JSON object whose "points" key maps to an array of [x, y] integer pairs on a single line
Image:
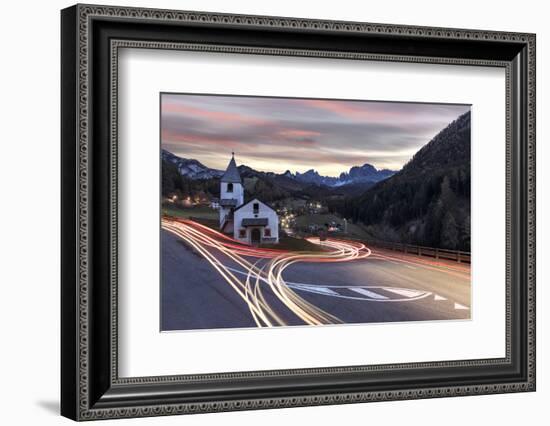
{"points": [[203, 239], [456, 271]]}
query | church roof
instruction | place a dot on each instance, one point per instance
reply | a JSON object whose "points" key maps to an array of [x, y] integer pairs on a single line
{"points": [[232, 175], [260, 221], [254, 200]]}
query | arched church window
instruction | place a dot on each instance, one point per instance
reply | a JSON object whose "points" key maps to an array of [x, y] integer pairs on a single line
{"points": [[229, 187]]}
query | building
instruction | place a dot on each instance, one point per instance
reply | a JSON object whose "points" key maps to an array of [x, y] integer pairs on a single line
{"points": [[231, 195], [253, 222], [215, 203]]}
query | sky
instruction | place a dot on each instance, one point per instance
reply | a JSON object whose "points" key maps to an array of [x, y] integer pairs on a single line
{"points": [[279, 134]]}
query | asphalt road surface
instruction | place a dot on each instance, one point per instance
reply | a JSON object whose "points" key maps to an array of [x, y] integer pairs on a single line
{"points": [[209, 282]]}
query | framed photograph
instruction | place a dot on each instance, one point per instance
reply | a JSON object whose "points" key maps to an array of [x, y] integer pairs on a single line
{"points": [[263, 212]]}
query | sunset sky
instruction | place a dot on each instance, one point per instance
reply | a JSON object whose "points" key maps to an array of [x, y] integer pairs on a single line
{"points": [[279, 134]]}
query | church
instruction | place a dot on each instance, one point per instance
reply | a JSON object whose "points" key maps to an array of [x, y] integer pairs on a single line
{"points": [[253, 222]]}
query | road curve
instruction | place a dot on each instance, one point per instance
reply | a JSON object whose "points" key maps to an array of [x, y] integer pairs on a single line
{"points": [[346, 283]]}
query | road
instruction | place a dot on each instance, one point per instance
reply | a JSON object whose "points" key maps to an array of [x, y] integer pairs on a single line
{"points": [[209, 281]]}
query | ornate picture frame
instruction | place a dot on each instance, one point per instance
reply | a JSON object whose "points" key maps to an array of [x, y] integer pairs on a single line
{"points": [[91, 38]]}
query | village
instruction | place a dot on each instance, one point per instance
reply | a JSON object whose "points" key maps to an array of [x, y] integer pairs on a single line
{"points": [[285, 223]]}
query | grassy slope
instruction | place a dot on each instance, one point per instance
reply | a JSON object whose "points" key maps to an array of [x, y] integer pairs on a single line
{"points": [[320, 219], [294, 244], [202, 212]]}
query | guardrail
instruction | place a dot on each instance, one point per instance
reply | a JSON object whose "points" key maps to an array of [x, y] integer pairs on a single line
{"points": [[438, 253]]}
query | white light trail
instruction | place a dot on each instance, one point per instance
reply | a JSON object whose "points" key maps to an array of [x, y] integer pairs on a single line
{"points": [[207, 241]]}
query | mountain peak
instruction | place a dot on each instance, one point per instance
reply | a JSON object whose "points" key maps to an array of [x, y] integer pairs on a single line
{"points": [[190, 168], [366, 173], [311, 172], [194, 169], [450, 146]]}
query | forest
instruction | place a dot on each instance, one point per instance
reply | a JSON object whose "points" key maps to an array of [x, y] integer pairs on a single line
{"points": [[428, 201]]}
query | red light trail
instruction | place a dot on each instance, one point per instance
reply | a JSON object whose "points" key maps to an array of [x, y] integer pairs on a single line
{"points": [[203, 239], [258, 269]]}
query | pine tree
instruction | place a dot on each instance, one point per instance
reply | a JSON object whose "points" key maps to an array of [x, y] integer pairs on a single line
{"points": [[449, 232]]}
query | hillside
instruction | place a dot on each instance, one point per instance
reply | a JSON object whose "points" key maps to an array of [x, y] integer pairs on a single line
{"points": [[189, 168], [190, 177], [176, 183], [367, 174], [428, 201]]}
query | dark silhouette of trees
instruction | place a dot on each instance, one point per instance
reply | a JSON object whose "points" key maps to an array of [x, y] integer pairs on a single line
{"points": [[428, 201], [173, 183]]}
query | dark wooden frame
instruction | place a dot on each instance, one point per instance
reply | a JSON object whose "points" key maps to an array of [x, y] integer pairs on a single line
{"points": [[91, 37]]}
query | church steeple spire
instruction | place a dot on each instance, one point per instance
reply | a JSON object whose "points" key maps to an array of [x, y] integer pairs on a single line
{"points": [[231, 174]]}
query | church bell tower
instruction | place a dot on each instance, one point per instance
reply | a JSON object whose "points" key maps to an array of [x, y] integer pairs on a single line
{"points": [[231, 192]]}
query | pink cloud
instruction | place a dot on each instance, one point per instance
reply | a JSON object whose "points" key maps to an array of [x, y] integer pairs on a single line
{"points": [[220, 116], [351, 110], [170, 136], [296, 133], [227, 142]]}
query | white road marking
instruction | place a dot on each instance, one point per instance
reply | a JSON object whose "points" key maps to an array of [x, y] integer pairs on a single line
{"points": [[459, 306], [407, 295], [438, 297], [408, 266], [404, 292], [315, 289], [367, 293]]}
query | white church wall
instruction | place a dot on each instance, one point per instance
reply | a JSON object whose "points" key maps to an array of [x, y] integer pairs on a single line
{"points": [[243, 237], [247, 212], [223, 212], [236, 194]]}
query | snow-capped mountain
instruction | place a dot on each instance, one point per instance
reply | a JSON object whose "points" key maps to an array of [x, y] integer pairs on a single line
{"points": [[357, 174], [366, 173], [190, 168]]}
